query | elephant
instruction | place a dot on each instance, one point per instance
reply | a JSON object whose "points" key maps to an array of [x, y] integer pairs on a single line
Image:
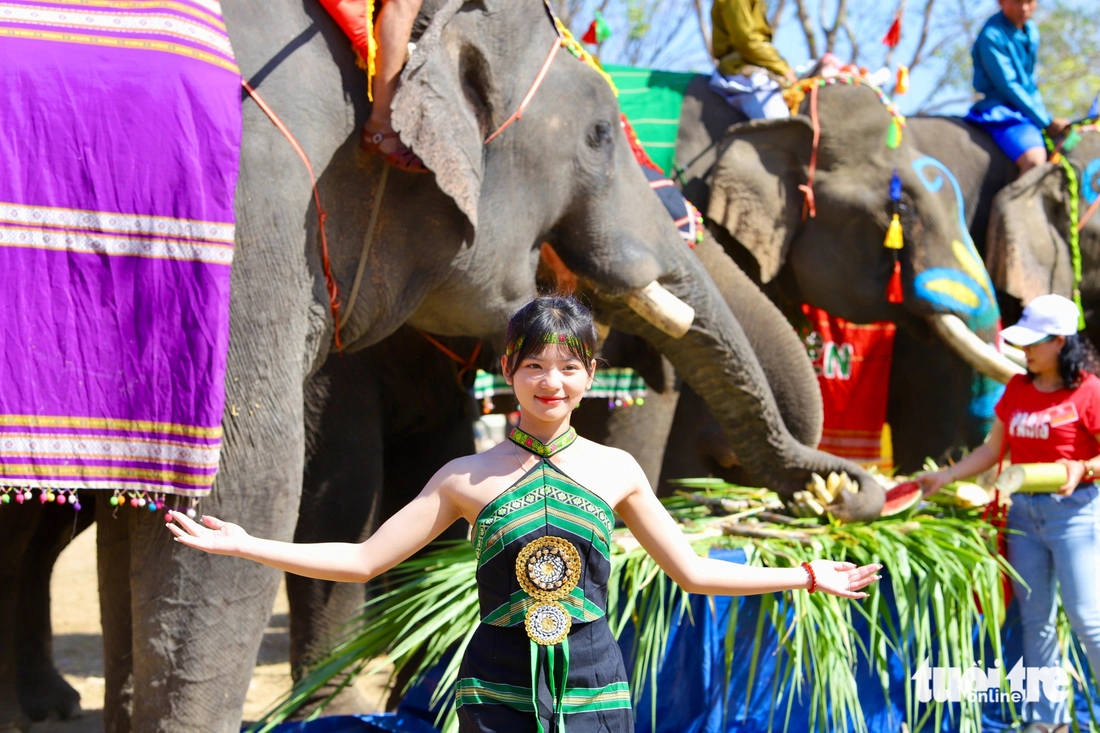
{"points": [[746, 176], [181, 630], [1029, 227]]}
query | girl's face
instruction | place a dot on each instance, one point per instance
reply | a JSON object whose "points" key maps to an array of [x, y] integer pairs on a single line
{"points": [[550, 383], [1043, 356]]}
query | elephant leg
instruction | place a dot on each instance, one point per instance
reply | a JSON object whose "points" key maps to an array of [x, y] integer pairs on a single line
{"points": [[410, 464], [929, 401], [198, 619], [113, 566], [42, 690], [341, 502], [17, 527]]}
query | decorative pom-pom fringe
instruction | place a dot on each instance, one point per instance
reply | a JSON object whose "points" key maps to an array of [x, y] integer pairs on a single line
{"points": [[894, 293]]}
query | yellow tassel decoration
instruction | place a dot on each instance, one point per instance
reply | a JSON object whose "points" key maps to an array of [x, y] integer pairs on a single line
{"points": [[372, 50], [893, 234]]}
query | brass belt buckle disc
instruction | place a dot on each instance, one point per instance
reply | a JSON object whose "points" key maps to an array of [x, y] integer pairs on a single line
{"points": [[548, 569]]}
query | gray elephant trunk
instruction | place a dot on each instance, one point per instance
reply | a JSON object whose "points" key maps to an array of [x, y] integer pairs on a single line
{"points": [[715, 359]]}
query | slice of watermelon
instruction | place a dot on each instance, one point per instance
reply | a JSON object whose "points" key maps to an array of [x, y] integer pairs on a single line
{"points": [[900, 498]]}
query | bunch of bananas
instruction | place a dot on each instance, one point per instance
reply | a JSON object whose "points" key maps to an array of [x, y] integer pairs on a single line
{"points": [[820, 493]]}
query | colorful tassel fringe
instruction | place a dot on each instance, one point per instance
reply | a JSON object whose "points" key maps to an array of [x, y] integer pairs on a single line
{"points": [[893, 234], [893, 36], [894, 293], [598, 32]]}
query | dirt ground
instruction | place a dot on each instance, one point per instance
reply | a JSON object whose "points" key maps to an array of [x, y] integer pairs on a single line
{"points": [[78, 644]]}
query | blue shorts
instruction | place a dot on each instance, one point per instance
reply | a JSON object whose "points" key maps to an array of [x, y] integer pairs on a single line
{"points": [[1013, 133]]}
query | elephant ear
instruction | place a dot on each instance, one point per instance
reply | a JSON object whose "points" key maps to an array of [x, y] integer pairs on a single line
{"points": [[439, 113], [1027, 250], [754, 186]]}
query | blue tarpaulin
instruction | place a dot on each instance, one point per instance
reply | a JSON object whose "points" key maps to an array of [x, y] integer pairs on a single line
{"points": [[694, 697]]}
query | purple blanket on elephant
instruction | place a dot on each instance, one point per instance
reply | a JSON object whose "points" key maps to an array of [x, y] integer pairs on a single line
{"points": [[120, 126]]}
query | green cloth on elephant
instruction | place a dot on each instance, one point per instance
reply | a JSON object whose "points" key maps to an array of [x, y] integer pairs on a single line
{"points": [[651, 100], [743, 37]]}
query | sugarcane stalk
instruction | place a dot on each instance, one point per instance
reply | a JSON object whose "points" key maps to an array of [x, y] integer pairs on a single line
{"points": [[1033, 478], [740, 530]]}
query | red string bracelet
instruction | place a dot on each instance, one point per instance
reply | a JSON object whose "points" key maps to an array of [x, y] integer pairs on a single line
{"points": [[813, 578]]}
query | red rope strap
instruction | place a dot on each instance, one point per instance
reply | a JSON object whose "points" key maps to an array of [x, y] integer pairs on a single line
{"points": [[466, 364], [518, 114], [808, 205], [330, 282]]}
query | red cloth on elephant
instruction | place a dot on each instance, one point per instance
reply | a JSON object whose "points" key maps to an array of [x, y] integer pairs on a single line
{"points": [[356, 19], [1042, 427], [852, 362]]}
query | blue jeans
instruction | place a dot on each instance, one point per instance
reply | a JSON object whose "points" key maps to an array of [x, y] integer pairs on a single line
{"points": [[1059, 551]]}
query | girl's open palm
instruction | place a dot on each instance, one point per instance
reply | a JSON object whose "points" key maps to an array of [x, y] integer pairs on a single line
{"points": [[844, 578], [217, 537]]}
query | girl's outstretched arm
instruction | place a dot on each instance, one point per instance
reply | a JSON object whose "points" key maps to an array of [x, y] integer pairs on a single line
{"points": [[415, 525], [662, 538]]}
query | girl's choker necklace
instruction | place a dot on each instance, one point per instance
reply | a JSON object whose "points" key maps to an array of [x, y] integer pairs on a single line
{"points": [[539, 448]]}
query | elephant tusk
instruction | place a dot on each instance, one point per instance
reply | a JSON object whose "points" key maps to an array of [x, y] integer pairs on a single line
{"points": [[662, 309], [971, 349], [1014, 355]]}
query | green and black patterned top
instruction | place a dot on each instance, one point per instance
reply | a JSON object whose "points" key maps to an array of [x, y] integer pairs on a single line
{"points": [[543, 658]]}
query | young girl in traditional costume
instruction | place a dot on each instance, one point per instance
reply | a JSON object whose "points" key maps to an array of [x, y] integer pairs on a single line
{"points": [[1049, 415], [542, 507]]}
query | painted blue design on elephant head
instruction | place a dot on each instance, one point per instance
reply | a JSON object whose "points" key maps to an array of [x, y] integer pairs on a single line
{"points": [[1090, 181], [966, 291]]}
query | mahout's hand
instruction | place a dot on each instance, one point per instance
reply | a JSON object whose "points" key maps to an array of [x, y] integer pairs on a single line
{"points": [[844, 578], [217, 537], [1057, 126]]}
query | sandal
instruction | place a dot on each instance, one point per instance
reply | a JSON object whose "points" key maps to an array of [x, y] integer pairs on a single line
{"points": [[403, 158]]}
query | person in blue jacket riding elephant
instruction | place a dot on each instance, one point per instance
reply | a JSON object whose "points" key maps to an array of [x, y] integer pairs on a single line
{"points": [[1012, 109]]}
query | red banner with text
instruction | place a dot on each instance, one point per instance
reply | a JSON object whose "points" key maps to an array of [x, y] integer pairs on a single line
{"points": [[852, 362]]}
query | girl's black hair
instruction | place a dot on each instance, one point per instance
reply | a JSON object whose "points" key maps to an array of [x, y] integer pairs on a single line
{"points": [[557, 319], [1072, 362]]}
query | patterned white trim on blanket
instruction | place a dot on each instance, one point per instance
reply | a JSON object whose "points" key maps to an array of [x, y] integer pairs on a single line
{"points": [[15, 446], [115, 245], [113, 222], [139, 44], [160, 24], [215, 20]]}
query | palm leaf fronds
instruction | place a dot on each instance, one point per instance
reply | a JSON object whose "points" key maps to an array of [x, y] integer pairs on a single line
{"points": [[941, 568]]}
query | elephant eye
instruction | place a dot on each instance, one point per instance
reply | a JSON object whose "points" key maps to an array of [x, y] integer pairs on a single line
{"points": [[600, 134]]}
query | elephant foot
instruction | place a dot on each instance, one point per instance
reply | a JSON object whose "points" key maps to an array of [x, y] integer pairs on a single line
{"points": [[45, 694]]}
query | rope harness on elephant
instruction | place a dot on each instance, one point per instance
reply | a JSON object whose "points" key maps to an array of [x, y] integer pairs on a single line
{"points": [[1077, 222], [330, 281], [797, 93]]}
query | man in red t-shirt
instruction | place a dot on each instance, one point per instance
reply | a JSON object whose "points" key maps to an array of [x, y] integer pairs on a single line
{"points": [[1049, 415]]}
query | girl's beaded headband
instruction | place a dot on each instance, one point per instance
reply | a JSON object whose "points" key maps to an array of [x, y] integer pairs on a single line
{"points": [[552, 338]]}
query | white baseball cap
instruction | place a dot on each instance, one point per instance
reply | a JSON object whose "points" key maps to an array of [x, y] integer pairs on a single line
{"points": [[1047, 315]]}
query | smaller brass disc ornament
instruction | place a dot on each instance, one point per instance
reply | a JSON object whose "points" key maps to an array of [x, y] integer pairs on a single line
{"points": [[548, 568], [547, 623]]}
